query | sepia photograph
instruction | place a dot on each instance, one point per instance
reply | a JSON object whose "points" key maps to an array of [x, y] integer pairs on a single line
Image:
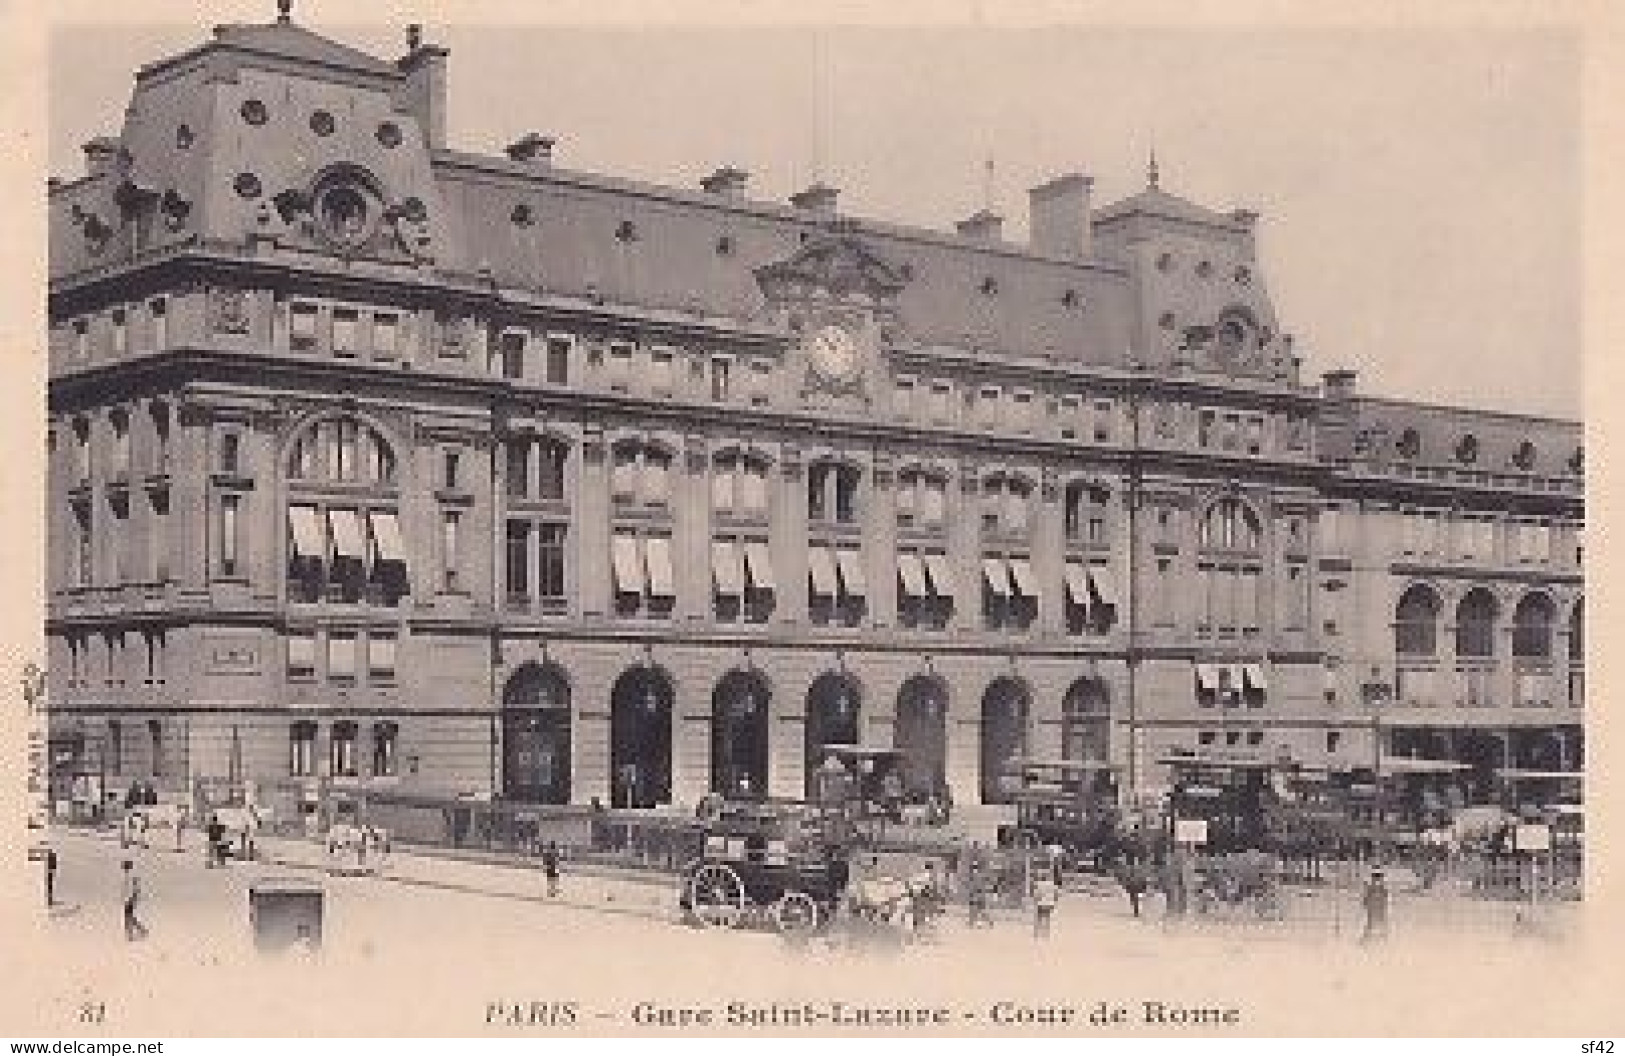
{"points": [[689, 522]]}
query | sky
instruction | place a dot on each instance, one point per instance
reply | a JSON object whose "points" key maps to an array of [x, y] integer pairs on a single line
{"points": [[1419, 188]]}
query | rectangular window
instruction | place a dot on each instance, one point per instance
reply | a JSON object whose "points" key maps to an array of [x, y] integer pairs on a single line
{"points": [[229, 557], [511, 352], [1207, 434], [385, 738], [518, 563], [231, 453], [301, 656], [753, 489], [623, 478], [302, 327], [1103, 421], [341, 656], [159, 541], [121, 332], [903, 397], [155, 735], [517, 468], [450, 559], [451, 463], [620, 366], [558, 361], [942, 402], [550, 573], [341, 749], [386, 335], [346, 323], [1253, 435], [302, 749], [380, 656], [115, 747], [661, 371], [81, 338], [159, 310], [121, 445], [1021, 410], [550, 465], [721, 369], [933, 503], [1070, 410], [84, 567]]}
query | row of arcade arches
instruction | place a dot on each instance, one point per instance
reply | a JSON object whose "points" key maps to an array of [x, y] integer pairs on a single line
{"points": [[537, 739]]}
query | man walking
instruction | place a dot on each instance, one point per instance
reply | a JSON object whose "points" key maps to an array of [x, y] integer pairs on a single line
{"points": [[1045, 894], [550, 868], [50, 877], [1375, 902], [133, 928]]}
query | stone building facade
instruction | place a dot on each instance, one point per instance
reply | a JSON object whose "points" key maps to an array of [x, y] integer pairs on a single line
{"points": [[379, 465]]}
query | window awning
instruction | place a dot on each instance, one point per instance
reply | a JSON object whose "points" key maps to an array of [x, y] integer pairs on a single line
{"points": [[657, 550], [851, 566], [347, 541], [307, 531], [997, 575], [942, 579], [821, 566], [728, 568], [912, 572], [759, 564], [1077, 584], [1021, 576], [386, 535], [1207, 677], [1102, 583], [628, 565], [1254, 675]]}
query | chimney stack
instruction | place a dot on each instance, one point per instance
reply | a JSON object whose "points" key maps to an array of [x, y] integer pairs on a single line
{"points": [[1060, 216], [818, 198], [532, 149], [1338, 384], [425, 89], [985, 226], [727, 182], [101, 155]]}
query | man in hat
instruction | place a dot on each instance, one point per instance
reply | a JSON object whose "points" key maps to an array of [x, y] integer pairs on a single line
{"points": [[133, 928], [1375, 902]]}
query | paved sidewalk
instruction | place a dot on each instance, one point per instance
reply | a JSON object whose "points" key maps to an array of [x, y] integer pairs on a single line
{"points": [[597, 888]]}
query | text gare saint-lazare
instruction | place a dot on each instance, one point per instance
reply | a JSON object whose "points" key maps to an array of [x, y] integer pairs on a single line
{"points": [[999, 1013], [847, 1014]]}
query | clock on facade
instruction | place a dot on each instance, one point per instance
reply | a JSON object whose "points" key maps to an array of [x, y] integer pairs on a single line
{"points": [[832, 352]]}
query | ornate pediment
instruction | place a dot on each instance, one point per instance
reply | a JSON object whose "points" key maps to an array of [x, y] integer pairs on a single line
{"points": [[836, 265]]}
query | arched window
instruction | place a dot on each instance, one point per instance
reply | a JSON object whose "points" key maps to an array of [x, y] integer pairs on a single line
{"points": [[1230, 525], [1006, 504], [1409, 444], [341, 449], [833, 492], [1475, 624], [1416, 623], [1085, 514], [1532, 627], [640, 474], [922, 498]]}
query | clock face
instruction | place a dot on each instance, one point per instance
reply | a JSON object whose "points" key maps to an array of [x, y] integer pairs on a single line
{"points": [[832, 352]]}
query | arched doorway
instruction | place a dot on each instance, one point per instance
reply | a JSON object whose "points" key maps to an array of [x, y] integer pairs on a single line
{"points": [[739, 724], [640, 739], [834, 706], [536, 735], [1086, 715], [1004, 734], [921, 734]]}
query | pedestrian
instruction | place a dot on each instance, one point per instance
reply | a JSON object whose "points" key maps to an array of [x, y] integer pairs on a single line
{"points": [[215, 837], [976, 894], [133, 928], [1375, 902], [50, 877], [1134, 883], [1045, 894], [550, 868]]}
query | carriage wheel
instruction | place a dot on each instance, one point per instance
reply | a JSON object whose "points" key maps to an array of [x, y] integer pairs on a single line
{"points": [[716, 896], [796, 913]]}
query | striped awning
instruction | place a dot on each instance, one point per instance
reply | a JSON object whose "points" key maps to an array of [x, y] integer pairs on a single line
{"points": [[657, 553], [347, 538], [759, 566], [851, 565], [386, 536], [821, 570], [306, 526], [1022, 578], [997, 574], [942, 579], [911, 570], [1103, 584], [1077, 584], [727, 568], [1207, 677]]}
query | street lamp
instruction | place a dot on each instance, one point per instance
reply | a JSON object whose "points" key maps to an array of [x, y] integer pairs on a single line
{"points": [[1375, 690]]}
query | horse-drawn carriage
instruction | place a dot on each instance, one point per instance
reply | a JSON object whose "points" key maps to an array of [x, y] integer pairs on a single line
{"points": [[799, 866], [1067, 803]]}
